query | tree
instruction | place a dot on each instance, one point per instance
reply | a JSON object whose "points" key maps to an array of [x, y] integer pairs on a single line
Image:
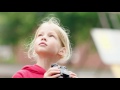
{"points": [[79, 24], [16, 25]]}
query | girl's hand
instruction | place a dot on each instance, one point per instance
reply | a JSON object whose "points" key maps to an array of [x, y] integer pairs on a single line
{"points": [[73, 75], [53, 72]]}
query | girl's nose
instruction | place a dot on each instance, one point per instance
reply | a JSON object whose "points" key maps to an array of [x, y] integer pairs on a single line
{"points": [[43, 38]]}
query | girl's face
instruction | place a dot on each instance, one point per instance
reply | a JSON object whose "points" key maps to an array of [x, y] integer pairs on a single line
{"points": [[47, 41]]}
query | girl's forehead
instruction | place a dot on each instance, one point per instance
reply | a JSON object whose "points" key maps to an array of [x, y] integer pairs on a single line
{"points": [[47, 29]]}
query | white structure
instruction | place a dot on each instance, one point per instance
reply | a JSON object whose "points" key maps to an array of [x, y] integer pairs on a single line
{"points": [[107, 42]]}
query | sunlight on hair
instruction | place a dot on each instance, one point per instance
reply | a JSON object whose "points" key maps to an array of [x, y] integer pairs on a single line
{"points": [[63, 35]]}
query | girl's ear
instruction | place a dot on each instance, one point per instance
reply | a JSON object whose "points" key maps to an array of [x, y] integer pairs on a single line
{"points": [[62, 51]]}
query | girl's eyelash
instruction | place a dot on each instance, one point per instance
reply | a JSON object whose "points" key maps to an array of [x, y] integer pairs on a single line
{"points": [[52, 35], [40, 35], [49, 35]]}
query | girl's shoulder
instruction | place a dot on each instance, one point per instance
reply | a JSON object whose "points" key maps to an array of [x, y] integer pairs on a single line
{"points": [[23, 72]]}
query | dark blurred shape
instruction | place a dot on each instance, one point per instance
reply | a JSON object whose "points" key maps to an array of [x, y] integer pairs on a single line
{"points": [[63, 71]]}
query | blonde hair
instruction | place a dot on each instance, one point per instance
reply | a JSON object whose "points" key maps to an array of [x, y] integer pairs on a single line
{"points": [[62, 33]]}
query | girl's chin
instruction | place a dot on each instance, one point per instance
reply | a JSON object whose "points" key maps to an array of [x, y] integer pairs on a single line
{"points": [[42, 52], [45, 53]]}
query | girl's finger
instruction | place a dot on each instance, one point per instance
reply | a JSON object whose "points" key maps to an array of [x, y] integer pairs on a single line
{"points": [[53, 73], [53, 69], [55, 76], [72, 73]]}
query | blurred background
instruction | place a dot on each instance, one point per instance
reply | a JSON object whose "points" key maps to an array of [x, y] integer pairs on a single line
{"points": [[18, 28]]}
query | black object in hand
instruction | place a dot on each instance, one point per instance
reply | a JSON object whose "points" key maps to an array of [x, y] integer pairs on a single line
{"points": [[64, 73]]}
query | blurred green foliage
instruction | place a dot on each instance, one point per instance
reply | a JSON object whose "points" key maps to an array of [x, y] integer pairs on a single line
{"points": [[79, 24], [17, 26]]}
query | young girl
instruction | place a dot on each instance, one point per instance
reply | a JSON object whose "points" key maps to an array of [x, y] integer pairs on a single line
{"points": [[50, 44]]}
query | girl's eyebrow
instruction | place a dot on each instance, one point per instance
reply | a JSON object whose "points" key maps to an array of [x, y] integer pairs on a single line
{"points": [[52, 33], [40, 32]]}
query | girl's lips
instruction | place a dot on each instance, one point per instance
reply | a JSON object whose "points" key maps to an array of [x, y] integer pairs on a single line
{"points": [[43, 43]]}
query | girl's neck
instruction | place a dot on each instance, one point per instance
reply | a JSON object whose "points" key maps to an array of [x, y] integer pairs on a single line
{"points": [[45, 62]]}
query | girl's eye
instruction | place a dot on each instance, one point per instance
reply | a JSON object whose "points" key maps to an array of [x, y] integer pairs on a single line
{"points": [[51, 35], [40, 35]]}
